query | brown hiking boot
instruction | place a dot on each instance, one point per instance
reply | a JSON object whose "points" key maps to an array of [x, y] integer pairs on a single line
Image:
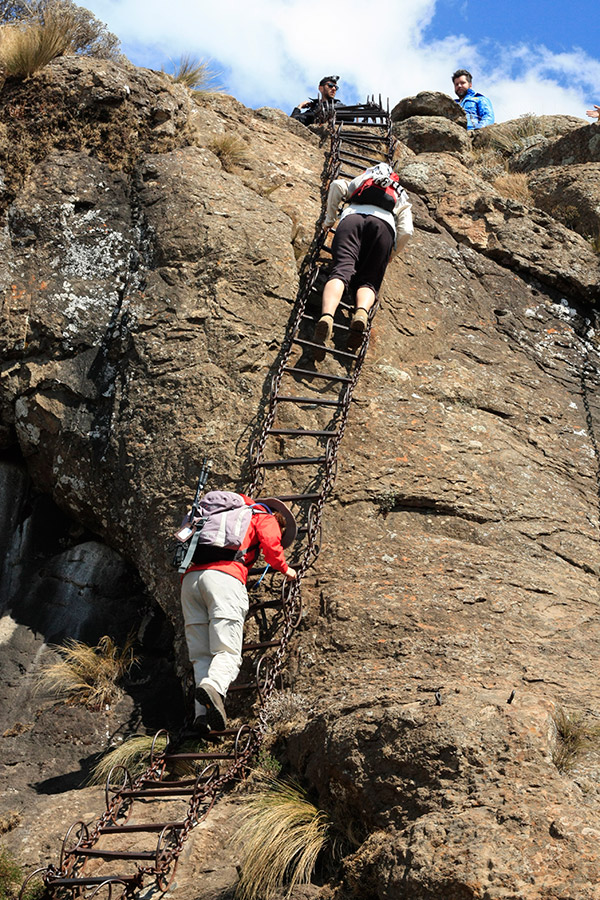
{"points": [[322, 333], [357, 329], [209, 697]]}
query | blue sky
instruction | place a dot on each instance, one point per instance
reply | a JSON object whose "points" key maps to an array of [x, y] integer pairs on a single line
{"points": [[531, 56]]}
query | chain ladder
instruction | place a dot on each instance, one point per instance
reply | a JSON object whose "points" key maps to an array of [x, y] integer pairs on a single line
{"points": [[205, 793]]}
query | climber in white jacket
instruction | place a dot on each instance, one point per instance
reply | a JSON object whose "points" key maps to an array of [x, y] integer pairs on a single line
{"points": [[376, 222]]}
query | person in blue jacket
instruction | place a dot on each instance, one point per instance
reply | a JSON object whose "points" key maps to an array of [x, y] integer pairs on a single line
{"points": [[478, 108]]}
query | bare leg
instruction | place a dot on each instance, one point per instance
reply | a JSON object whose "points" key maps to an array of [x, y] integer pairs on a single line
{"points": [[365, 298], [332, 294]]}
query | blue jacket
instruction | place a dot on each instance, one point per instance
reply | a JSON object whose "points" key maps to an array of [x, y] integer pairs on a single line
{"points": [[478, 108]]}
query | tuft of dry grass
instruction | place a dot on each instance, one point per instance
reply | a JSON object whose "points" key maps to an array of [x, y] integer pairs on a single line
{"points": [[25, 49], [133, 754], [9, 821], [515, 137], [231, 150], [573, 737], [594, 242], [283, 834], [88, 675], [489, 163], [515, 186], [196, 75]]}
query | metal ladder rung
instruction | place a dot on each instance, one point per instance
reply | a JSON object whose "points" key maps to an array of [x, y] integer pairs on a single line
{"points": [[296, 498], [93, 879], [115, 854], [343, 353], [337, 325], [150, 826], [293, 371], [165, 793], [184, 782], [300, 432], [368, 159], [312, 401], [265, 604], [356, 124], [293, 461], [199, 756], [365, 138], [350, 162], [260, 645]]}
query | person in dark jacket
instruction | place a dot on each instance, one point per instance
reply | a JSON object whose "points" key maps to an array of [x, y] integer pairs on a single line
{"points": [[214, 602], [478, 108], [306, 112]]}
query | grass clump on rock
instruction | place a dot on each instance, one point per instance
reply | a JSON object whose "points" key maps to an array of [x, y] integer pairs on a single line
{"points": [[88, 675], [573, 737], [283, 833], [27, 49], [230, 149], [195, 74]]}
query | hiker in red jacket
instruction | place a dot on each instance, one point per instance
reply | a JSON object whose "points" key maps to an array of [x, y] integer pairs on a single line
{"points": [[214, 601]]}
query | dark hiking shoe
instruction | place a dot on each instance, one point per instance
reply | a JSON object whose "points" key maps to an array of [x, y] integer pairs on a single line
{"points": [[209, 697], [357, 329], [322, 333], [200, 729]]}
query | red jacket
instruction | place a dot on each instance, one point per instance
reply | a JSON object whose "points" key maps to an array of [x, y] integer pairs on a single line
{"points": [[263, 534]]}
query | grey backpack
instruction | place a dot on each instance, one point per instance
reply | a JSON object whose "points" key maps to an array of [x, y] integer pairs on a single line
{"points": [[215, 529]]}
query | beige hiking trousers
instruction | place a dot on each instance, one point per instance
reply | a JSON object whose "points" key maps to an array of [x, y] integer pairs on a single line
{"points": [[214, 608]]}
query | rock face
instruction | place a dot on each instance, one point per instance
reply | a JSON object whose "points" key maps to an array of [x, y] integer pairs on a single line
{"points": [[432, 134], [453, 610]]}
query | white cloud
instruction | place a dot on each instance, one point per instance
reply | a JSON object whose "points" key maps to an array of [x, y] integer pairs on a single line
{"points": [[275, 52]]}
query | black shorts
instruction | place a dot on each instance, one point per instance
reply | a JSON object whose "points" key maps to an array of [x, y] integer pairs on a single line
{"points": [[361, 251]]}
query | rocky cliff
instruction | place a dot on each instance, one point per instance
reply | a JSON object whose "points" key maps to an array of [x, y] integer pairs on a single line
{"points": [[452, 617]]}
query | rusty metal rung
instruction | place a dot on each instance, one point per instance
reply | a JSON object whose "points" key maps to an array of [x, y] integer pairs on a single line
{"points": [[297, 461], [313, 374], [115, 854], [199, 756], [343, 353], [93, 879], [296, 498], [313, 401], [368, 159], [301, 432], [157, 792], [260, 645], [149, 826], [336, 325]]}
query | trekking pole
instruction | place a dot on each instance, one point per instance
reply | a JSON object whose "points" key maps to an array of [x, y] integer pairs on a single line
{"points": [[202, 479]]}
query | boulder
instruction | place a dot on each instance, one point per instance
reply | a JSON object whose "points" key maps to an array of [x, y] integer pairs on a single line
{"points": [[503, 229], [571, 194], [429, 103], [433, 134], [581, 145]]}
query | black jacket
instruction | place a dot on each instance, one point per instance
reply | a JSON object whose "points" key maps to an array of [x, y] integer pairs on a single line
{"points": [[308, 115]]}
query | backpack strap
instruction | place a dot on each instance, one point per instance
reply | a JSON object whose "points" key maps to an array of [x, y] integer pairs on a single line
{"points": [[187, 560]]}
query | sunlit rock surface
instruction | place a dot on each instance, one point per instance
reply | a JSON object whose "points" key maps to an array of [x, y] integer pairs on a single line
{"points": [[454, 606]]}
